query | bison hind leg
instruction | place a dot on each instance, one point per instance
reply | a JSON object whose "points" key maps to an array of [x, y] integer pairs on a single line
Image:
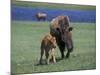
{"points": [[68, 54], [69, 51]]}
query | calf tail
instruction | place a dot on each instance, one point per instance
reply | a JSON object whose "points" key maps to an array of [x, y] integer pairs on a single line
{"points": [[42, 48], [42, 53]]}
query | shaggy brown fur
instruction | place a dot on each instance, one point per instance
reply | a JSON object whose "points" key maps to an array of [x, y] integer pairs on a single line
{"points": [[48, 46]]}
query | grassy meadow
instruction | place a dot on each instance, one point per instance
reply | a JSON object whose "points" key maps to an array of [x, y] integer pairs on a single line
{"points": [[26, 38], [25, 48]]}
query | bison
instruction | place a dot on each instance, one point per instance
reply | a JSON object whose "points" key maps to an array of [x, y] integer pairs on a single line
{"points": [[41, 16], [48, 46], [60, 28]]}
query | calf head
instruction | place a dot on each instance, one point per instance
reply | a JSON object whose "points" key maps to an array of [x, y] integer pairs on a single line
{"points": [[52, 42]]}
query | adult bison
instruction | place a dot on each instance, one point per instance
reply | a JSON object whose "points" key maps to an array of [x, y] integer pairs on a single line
{"points": [[41, 16], [60, 28]]}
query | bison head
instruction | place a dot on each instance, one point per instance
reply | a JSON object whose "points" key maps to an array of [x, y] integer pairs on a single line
{"points": [[66, 36]]}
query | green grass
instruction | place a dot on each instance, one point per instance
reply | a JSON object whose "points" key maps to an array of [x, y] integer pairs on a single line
{"points": [[25, 48], [53, 5]]}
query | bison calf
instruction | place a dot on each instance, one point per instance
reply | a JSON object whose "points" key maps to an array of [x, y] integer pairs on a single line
{"points": [[48, 46]]}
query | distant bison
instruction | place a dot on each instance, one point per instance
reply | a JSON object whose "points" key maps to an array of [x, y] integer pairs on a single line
{"points": [[48, 46], [41, 16], [62, 31]]}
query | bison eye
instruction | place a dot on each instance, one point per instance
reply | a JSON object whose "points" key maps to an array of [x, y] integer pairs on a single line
{"points": [[57, 29]]}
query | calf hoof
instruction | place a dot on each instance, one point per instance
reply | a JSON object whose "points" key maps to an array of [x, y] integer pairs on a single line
{"points": [[54, 61]]}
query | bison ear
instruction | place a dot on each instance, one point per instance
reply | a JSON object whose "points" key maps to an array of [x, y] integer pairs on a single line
{"points": [[70, 29]]}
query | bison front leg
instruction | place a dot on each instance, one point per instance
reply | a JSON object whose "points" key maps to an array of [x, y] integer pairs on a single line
{"points": [[62, 49], [69, 51], [62, 52], [68, 54]]}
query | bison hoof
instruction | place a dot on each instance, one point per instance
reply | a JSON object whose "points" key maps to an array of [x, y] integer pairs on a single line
{"points": [[40, 63], [62, 57], [67, 56], [47, 63]]}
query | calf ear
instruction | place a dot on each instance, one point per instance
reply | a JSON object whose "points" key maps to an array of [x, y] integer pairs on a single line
{"points": [[70, 29]]}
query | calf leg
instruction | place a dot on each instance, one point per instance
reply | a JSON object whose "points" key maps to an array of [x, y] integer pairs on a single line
{"points": [[47, 54], [53, 56], [54, 60], [41, 57]]}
